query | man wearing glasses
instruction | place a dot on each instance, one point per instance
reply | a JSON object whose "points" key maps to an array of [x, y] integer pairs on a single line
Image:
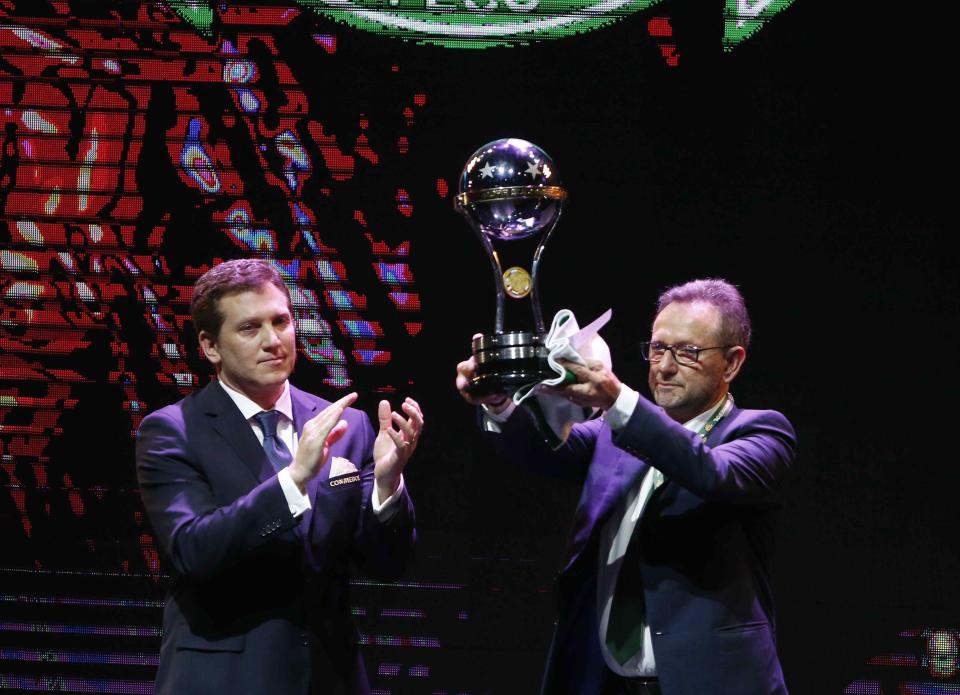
{"points": [[665, 586]]}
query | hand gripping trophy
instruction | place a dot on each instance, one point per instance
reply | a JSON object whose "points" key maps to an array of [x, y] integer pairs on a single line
{"points": [[511, 196]]}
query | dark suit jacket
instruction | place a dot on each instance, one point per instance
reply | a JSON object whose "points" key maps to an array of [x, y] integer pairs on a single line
{"points": [[258, 599], [706, 543]]}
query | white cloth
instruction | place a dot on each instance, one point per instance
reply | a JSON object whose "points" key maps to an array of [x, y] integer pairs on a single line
{"points": [[296, 500], [565, 341]]}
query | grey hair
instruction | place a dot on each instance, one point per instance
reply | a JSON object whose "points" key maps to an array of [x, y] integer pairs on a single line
{"points": [[735, 326]]}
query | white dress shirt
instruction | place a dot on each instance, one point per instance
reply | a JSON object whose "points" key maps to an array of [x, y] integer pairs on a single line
{"points": [[615, 538], [296, 500]]}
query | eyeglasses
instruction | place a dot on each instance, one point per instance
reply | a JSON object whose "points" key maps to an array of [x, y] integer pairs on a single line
{"points": [[687, 355]]}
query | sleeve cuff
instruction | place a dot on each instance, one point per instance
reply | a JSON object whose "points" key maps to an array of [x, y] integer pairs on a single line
{"points": [[296, 500], [622, 408], [386, 509], [492, 420]]}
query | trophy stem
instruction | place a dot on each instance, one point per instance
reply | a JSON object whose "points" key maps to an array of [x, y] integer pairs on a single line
{"points": [[497, 274], [535, 275]]}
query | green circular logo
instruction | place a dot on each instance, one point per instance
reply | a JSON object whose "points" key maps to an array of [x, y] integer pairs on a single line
{"points": [[486, 23], [477, 23]]}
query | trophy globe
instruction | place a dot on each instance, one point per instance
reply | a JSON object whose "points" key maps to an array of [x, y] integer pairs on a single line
{"points": [[511, 195]]}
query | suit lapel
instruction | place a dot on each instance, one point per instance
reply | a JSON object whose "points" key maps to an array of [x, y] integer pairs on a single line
{"points": [[611, 474], [304, 409], [719, 433], [228, 422]]}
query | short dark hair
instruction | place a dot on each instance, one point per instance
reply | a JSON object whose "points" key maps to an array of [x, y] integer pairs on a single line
{"points": [[230, 277], [735, 326]]}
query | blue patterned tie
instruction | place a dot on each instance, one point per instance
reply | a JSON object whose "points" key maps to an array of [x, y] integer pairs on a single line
{"points": [[278, 453]]}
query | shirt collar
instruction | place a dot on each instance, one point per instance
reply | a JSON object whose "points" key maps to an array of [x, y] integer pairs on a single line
{"points": [[248, 408], [697, 423]]}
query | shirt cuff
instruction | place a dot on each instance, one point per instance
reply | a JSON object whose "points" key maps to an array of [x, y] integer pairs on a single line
{"points": [[492, 420], [385, 510], [296, 500], [622, 408]]}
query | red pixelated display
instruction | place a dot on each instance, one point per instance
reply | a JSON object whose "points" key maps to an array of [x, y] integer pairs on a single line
{"points": [[121, 183], [138, 152]]}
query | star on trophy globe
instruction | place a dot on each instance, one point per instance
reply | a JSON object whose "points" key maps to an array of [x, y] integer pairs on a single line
{"points": [[511, 196]]}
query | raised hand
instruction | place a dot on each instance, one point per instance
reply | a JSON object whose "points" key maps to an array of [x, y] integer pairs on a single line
{"points": [[395, 443], [319, 434], [465, 373], [596, 385]]}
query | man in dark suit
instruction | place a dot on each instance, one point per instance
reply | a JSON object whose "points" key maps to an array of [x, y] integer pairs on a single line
{"points": [[665, 585], [260, 494]]}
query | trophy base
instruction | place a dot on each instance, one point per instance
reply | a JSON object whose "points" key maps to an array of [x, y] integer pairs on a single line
{"points": [[506, 361]]}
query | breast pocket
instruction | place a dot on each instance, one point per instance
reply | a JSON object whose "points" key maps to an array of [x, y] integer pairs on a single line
{"points": [[343, 483], [336, 512]]}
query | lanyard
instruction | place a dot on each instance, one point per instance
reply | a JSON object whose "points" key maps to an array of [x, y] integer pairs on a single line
{"points": [[717, 416], [725, 407]]}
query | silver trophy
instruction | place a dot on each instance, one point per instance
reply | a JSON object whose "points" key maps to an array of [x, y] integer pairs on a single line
{"points": [[511, 196]]}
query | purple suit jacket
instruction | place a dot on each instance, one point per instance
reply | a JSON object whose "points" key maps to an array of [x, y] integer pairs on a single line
{"points": [[706, 541], [258, 600]]}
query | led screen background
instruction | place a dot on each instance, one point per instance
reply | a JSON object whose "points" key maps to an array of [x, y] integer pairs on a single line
{"points": [[140, 147]]}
